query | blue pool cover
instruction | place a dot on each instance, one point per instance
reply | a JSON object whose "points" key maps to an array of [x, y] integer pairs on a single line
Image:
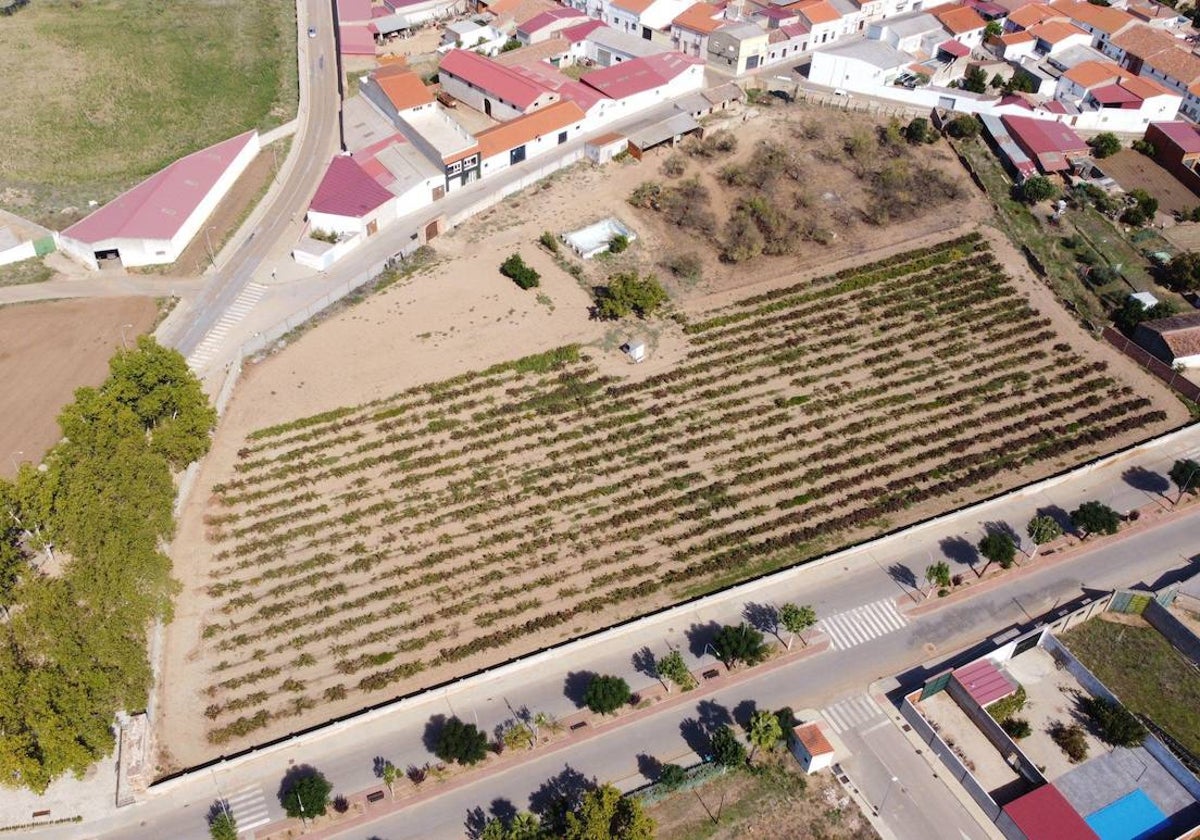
{"points": [[1132, 817]]}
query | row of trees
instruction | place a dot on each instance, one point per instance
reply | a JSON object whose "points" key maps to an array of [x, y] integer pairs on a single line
{"points": [[82, 573]]}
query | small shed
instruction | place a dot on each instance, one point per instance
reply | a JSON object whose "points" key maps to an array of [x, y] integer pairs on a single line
{"points": [[602, 149], [811, 748], [667, 131], [636, 350], [1147, 300], [595, 238]]}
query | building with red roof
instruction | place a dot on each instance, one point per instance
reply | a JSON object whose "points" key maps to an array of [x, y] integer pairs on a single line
{"points": [[548, 24], [1049, 144], [153, 222], [353, 11], [641, 82], [349, 201], [984, 682], [1045, 814], [529, 136], [490, 87], [356, 39]]}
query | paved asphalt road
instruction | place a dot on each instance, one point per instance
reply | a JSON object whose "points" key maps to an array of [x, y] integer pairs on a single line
{"points": [[863, 579], [317, 139]]}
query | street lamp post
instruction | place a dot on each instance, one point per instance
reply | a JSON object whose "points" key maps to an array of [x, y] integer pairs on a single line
{"points": [[886, 794], [212, 259], [16, 466], [124, 343]]}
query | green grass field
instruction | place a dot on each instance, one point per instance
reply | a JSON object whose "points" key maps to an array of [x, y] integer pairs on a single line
{"points": [[1142, 669], [100, 94]]}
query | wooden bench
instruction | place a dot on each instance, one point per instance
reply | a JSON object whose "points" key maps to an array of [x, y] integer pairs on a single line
{"points": [[374, 796], [711, 674], [577, 726]]}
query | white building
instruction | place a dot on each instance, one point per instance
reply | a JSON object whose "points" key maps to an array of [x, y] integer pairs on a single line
{"points": [[152, 223], [811, 748], [857, 65]]}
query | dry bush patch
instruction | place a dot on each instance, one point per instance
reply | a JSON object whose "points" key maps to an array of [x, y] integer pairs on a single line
{"points": [[453, 525]]}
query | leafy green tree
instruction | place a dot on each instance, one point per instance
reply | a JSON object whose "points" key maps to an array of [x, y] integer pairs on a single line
{"points": [[1036, 188], [605, 694], [1185, 473], [308, 796], [998, 547], [918, 131], [1183, 271], [1043, 529], [222, 826], [460, 742], [628, 294], [938, 575], [389, 773], [510, 45], [1095, 518], [964, 126], [764, 731], [1133, 312], [1143, 209], [672, 776], [1018, 82], [515, 269], [523, 826], [672, 667], [796, 619], [728, 751], [1105, 144], [517, 736], [993, 29], [976, 80], [604, 814], [1118, 726], [739, 643]]}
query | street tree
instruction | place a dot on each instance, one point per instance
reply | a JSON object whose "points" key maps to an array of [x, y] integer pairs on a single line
{"points": [[998, 547], [739, 643], [604, 814], [606, 693], [672, 776], [764, 731], [389, 774], [1095, 518], [517, 735], [308, 796], [938, 575], [1105, 144], [222, 825], [522, 826], [796, 619], [1043, 529], [1186, 474], [460, 742], [727, 750], [674, 670]]}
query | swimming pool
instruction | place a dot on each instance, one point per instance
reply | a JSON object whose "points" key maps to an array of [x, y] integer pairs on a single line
{"points": [[1132, 817]]}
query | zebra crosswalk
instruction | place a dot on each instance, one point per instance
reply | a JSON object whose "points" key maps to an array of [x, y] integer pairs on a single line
{"points": [[249, 808], [210, 345], [861, 624], [852, 712]]}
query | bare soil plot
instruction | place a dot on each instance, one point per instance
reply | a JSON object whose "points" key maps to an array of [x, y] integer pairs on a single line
{"points": [[47, 350], [99, 95], [386, 546], [778, 804], [1134, 170]]}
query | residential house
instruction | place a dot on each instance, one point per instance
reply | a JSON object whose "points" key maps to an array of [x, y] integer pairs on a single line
{"points": [[788, 41], [606, 46], [555, 51], [738, 48], [529, 136], [1159, 56], [1028, 15], [1158, 15], [690, 30], [1102, 22], [964, 23], [1128, 102], [1013, 46], [395, 91], [1047, 143], [348, 201], [446, 144], [596, 107], [645, 18], [824, 22], [1174, 340], [490, 87], [403, 170], [475, 34], [908, 33], [1013, 157], [1054, 36], [642, 82], [547, 25], [858, 65]]}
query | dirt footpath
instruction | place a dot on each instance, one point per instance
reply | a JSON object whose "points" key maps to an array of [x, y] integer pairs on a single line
{"points": [[47, 350]]}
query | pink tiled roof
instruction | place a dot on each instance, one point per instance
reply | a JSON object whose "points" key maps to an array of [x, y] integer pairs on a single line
{"points": [[1045, 814], [955, 48], [357, 40], [575, 34], [157, 207], [640, 74], [985, 682], [551, 78], [539, 22], [1182, 134], [495, 78], [353, 11], [346, 190]]}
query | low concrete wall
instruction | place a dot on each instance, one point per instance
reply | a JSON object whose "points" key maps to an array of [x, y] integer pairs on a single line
{"points": [[993, 732], [1174, 630]]}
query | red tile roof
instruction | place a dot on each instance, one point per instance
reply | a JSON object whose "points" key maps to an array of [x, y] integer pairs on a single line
{"points": [[1181, 333], [356, 40], [985, 682], [157, 207], [403, 88], [353, 11], [701, 17], [346, 190], [492, 77], [1049, 141], [551, 78], [1045, 814], [575, 34], [526, 128], [959, 19], [640, 74], [539, 22], [1183, 135], [813, 739], [955, 48]]}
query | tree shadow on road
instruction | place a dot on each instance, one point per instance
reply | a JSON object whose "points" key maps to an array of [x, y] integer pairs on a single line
{"points": [[558, 795], [762, 617], [649, 766], [477, 819], [576, 684], [1148, 481], [433, 729], [1060, 516], [959, 550], [699, 636], [644, 662]]}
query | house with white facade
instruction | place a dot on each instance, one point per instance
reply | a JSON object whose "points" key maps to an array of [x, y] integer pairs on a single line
{"points": [[646, 19], [1054, 36], [490, 87], [1159, 56], [528, 137], [1103, 23], [546, 25], [690, 30], [642, 82], [1125, 102], [824, 22], [858, 65], [963, 23], [605, 46]]}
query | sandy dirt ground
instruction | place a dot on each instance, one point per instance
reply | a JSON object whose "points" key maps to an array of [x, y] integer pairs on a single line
{"points": [[47, 350], [462, 315], [1133, 170]]}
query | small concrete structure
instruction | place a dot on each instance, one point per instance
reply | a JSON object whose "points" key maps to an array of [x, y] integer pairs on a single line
{"points": [[604, 148], [1146, 299], [595, 238], [636, 351], [811, 748]]}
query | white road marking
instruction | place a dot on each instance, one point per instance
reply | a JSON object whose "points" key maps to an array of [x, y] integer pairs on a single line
{"points": [[210, 345], [861, 624], [851, 712]]}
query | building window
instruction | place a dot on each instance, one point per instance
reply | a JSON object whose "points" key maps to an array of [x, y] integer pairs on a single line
{"points": [[454, 168], [562, 137]]}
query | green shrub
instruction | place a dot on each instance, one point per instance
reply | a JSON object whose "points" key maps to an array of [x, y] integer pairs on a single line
{"points": [[1017, 728], [1145, 147], [618, 243], [549, 241], [1006, 707], [672, 776], [1118, 726], [515, 269], [1071, 740], [627, 294]]}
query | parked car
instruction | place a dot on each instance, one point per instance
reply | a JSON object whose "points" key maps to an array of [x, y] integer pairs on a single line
{"points": [[312, 32]]}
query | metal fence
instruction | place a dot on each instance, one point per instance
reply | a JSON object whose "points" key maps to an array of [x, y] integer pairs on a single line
{"points": [[861, 106], [1173, 378]]}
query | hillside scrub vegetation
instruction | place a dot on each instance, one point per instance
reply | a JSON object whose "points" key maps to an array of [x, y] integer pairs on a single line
{"points": [[423, 535], [82, 571]]}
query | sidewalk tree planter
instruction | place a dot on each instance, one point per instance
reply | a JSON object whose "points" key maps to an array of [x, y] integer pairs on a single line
{"points": [[1095, 518], [797, 619], [727, 750], [1186, 474], [674, 670], [460, 742], [605, 694], [736, 643], [1042, 530], [999, 548], [306, 793], [938, 576]]}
